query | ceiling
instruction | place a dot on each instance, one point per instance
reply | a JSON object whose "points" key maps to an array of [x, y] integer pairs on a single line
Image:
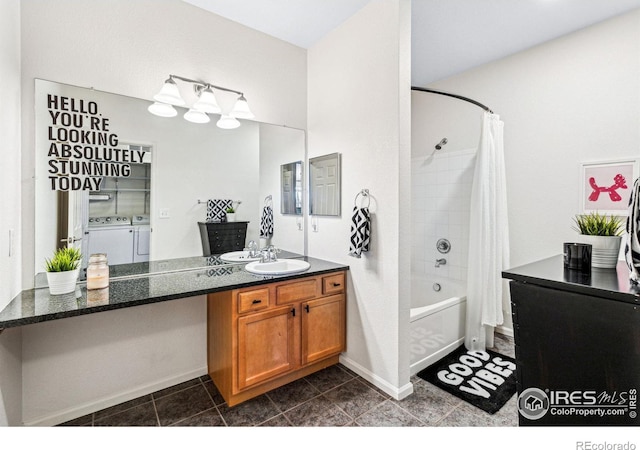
{"points": [[448, 36]]}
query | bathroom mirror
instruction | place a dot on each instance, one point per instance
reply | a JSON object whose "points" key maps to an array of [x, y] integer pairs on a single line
{"points": [[291, 188], [188, 164], [324, 185]]}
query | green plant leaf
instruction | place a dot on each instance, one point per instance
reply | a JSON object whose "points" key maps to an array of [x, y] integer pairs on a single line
{"points": [[63, 260], [595, 224]]}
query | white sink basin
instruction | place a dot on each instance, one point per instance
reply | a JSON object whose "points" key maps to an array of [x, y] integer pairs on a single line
{"points": [[279, 267], [239, 256]]}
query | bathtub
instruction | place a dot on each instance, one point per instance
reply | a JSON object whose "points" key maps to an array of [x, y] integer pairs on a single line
{"points": [[437, 319]]}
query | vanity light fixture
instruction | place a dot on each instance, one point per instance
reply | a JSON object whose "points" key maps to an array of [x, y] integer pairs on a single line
{"points": [[162, 109], [169, 93], [227, 122], [206, 104], [196, 116]]}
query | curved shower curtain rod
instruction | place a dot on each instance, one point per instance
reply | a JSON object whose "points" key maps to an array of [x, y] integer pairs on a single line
{"points": [[466, 99]]}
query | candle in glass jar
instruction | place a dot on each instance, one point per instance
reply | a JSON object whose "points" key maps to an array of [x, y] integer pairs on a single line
{"points": [[97, 272]]}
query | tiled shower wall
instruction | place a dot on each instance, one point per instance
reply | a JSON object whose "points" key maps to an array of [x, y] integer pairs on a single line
{"points": [[441, 190]]}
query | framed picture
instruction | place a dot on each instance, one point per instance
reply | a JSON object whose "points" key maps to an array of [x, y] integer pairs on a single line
{"points": [[607, 185]]}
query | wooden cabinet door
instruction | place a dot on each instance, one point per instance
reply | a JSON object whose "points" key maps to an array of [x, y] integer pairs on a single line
{"points": [[323, 328], [266, 345]]}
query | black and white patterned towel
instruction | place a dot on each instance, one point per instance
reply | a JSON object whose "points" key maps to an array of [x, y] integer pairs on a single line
{"points": [[360, 231], [216, 209], [266, 222], [632, 244]]}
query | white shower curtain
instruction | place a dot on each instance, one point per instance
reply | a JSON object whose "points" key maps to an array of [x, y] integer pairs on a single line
{"points": [[488, 237]]}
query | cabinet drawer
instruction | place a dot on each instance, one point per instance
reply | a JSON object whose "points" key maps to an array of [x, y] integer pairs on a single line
{"points": [[301, 290], [254, 300], [333, 284]]}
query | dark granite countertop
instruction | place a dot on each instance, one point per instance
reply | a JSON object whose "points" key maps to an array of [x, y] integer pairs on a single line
{"points": [[188, 277], [613, 284]]}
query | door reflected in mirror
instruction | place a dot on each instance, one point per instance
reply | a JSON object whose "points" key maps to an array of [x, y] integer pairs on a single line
{"points": [[291, 188], [324, 185]]}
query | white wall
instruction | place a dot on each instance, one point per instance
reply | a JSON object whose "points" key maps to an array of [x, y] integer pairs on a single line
{"points": [[11, 188], [130, 48], [359, 106], [571, 100]]}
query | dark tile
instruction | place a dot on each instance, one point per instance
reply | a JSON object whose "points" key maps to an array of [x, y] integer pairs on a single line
{"points": [[375, 388], [121, 407], [318, 411], [388, 414], [183, 404], [250, 413], [292, 394], [354, 397], [278, 421], [213, 391], [178, 387], [428, 403], [329, 378], [346, 369], [143, 415], [84, 421], [464, 416], [208, 418]]}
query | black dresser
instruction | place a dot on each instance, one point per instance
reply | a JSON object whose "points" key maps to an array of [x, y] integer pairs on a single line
{"points": [[577, 342], [222, 237]]}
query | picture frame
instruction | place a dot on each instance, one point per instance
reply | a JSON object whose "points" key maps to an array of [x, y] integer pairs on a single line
{"points": [[606, 186]]}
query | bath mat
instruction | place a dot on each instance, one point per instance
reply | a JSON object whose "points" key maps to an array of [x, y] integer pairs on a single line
{"points": [[486, 379]]}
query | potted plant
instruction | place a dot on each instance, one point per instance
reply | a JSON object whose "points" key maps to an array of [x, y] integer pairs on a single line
{"points": [[231, 214], [603, 232], [62, 270]]}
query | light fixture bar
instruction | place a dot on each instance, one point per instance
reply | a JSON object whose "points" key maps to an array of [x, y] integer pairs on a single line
{"points": [[203, 84]]}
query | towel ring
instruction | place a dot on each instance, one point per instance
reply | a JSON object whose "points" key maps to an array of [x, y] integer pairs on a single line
{"points": [[365, 194], [268, 201]]}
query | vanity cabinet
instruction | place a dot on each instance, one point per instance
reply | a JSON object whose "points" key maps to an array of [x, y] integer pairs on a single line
{"points": [[260, 338]]}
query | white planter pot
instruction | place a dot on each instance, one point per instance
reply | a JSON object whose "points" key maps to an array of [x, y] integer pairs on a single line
{"points": [[231, 217], [605, 250], [62, 282]]}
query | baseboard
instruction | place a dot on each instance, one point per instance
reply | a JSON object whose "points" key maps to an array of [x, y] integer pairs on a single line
{"points": [[393, 391], [106, 402], [504, 330]]}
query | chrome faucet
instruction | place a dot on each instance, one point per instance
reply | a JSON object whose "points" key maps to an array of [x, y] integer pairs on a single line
{"points": [[269, 253], [440, 262], [253, 249]]}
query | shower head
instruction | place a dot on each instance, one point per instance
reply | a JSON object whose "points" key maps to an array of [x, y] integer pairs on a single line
{"points": [[441, 143]]}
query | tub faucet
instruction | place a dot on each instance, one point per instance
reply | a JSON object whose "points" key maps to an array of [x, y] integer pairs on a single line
{"points": [[440, 262]]}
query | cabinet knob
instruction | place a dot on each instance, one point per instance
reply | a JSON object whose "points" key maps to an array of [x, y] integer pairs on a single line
{"points": [[293, 312], [256, 301], [336, 284], [306, 308]]}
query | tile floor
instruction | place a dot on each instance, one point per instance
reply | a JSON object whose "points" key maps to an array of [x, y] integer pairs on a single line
{"points": [[334, 396]]}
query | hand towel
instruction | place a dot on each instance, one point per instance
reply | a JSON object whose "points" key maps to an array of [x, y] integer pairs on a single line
{"points": [[632, 244], [216, 209], [266, 222], [360, 231]]}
